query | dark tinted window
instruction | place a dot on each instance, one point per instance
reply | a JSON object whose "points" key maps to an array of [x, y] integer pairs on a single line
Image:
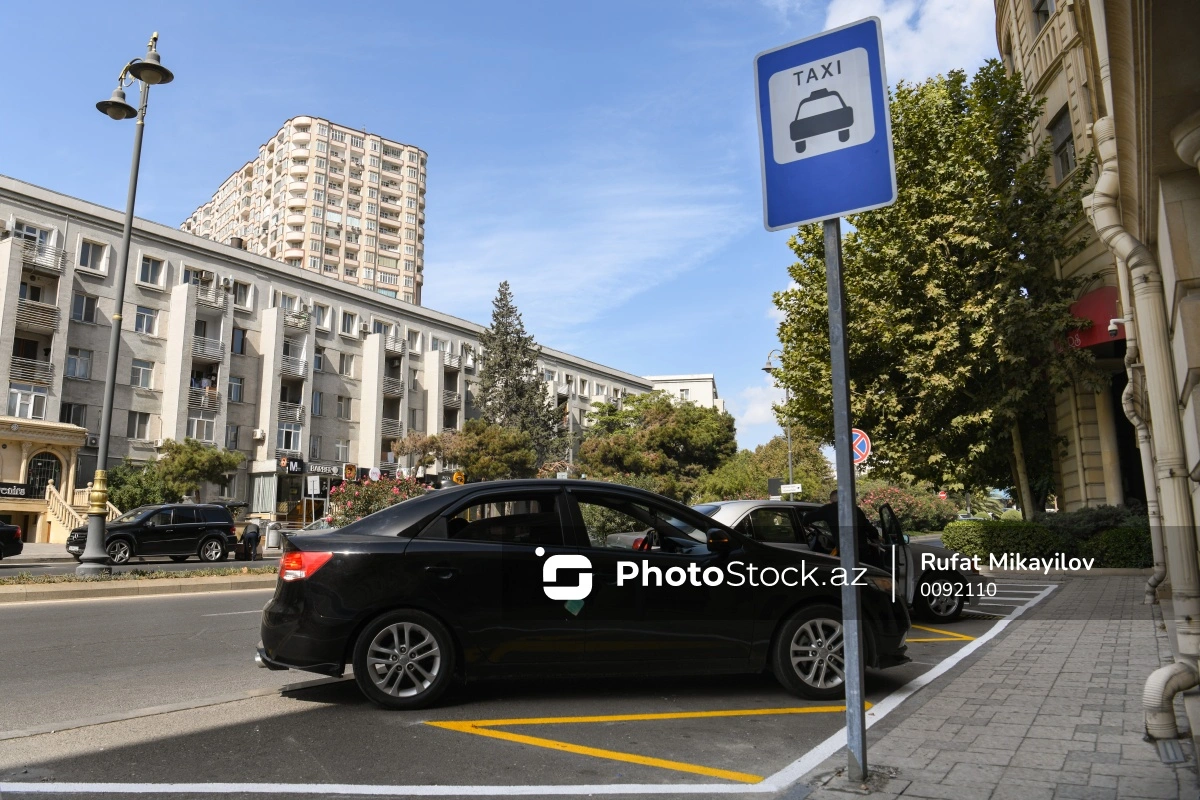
{"points": [[509, 519], [185, 516], [216, 514], [771, 525], [159, 518], [617, 521]]}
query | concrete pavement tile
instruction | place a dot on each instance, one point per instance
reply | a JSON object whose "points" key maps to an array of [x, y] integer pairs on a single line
{"points": [[1139, 771], [994, 757], [1142, 751], [974, 775], [933, 791], [1039, 760], [1082, 757], [1140, 787], [1104, 781], [1044, 746], [1044, 776], [988, 741], [1023, 792], [1084, 793]]}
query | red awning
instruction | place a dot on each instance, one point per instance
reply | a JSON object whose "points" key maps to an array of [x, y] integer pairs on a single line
{"points": [[1100, 306]]}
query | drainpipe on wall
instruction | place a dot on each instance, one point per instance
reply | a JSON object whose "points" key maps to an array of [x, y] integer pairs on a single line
{"points": [[1170, 471]]}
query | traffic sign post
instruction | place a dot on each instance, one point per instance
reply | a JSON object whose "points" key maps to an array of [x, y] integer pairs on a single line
{"points": [[826, 147], [860, 445]]}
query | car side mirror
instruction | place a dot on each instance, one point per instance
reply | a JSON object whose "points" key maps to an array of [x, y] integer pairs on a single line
{"points": [[719, 541], [904, 536], [148, 523]]}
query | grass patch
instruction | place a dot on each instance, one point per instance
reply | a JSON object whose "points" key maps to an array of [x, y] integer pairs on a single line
{"points": [[26, 578]]}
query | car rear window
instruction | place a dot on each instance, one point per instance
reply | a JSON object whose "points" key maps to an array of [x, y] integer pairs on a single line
{"points": [[216, 514]]}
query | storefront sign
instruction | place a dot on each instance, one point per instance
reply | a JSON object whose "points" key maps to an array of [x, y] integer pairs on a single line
{"points": [[324, 469], [292, 466], [18, 490], [350, 472]]}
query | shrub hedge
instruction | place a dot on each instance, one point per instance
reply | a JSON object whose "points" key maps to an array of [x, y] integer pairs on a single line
{"points": [[1113, 547]]}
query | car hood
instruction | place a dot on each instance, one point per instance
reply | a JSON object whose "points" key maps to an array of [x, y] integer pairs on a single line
{"points": [[109, 528]]}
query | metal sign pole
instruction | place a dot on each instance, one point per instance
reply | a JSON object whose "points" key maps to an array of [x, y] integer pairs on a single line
{"points": [[856, 741]]}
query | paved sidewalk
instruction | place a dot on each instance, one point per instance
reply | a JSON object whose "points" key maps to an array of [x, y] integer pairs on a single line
{"points": [[1051, 709]]}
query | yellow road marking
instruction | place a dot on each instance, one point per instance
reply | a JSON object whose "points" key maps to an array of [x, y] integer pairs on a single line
{"points": [[947, 636], [486, 727]]}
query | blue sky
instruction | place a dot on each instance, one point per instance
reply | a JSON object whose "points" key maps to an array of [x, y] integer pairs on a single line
{"points": [[600, 156]]}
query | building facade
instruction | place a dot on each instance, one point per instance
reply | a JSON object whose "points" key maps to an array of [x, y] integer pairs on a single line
{"points": [[331, 200], [301, 372], [1121, 81], [698, 389]]}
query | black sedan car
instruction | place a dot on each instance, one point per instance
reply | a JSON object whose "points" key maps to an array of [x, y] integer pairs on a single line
{"points": [[179, 530], [11, 543], [544, 577]]}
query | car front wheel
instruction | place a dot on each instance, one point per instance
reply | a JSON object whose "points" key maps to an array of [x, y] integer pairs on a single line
{"points": [[119, 551], [808, 657], [404, 659], [212, 550], [944, 608]]}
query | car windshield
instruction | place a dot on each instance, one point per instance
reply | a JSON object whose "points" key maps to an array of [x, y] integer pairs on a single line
{"points": [[130, 516], [708, 509], [818, 105]]}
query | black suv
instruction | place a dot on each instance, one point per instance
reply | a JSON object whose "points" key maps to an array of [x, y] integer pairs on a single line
{"points": [[179, 531]]}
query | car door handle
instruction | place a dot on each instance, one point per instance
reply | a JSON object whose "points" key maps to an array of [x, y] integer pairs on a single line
{"points": [[442, 571]]}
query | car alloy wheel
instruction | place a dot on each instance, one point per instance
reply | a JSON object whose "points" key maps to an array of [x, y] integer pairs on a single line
{"points": [[943, 608], [816, 654], [404, 659], [118, 551], [211, 550]]}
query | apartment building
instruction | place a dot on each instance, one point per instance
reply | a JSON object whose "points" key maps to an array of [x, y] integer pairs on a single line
{"points": [[699, 389], [302, 372], [330, 200]]}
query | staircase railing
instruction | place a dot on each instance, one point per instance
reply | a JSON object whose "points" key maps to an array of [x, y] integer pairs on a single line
{"points": [[82, 498], [61, 510]]}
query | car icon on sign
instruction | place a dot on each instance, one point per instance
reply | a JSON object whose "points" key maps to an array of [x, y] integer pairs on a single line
{"points": [[823, 111]]}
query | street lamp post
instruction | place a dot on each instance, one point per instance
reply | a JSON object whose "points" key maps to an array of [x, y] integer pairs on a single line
{"points": [[148, 72], [787, 398]]}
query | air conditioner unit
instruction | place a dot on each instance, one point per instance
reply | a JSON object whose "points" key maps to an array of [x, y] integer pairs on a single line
{"points": [[227, 283], [259, 434], [364, 329], [158, 443], [93, 440], [304, 308]]}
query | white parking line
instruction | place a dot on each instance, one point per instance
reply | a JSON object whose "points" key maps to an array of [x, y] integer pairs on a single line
{"points": [[777, 782], [233, 613]]}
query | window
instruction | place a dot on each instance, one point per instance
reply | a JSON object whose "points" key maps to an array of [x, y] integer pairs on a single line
{"points": [[317, 405], [288, 437], [314, 262], [346, 364], [341, 450], [415, 423], [317, 228], [343, 407], [27, 401], [73, 413], [314, 447], [79, 363], [1063, 142], [770, 525], [321, 316], [151, 271], [356, 141], [529, 519], [142, 374], [1042, 11], [231, 437], [617, 523], [683, 394], [319, 359], [412, 380], [237, 386], [83, 308], [408, 280], [138, 426], [91, 256], [201, 425], [549, 375], [241, 294], [377, 326], [238, 343], [348, 323], [146, 320]]}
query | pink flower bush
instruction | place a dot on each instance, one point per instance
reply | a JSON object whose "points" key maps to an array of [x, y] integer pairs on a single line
{"points": [[353, 501]]}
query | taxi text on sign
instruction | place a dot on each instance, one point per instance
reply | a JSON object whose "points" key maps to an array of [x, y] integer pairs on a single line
{"points": [[824, 128]]}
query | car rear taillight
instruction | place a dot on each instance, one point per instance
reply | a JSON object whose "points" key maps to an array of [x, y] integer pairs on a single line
{"points": [[296, 565], [17, 535]]}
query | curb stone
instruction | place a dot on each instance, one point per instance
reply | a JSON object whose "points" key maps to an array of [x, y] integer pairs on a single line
{"points": [[35, 592]]}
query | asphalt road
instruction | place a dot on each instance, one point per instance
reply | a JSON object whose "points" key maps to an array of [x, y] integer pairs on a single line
{"points": [[66, 661], [65, 567]]}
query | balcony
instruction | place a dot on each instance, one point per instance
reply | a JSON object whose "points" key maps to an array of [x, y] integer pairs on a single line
{"points": [[293, 237], [451, 361], [393, 387], [34, 316], [394, 345], [562, 389], [296, 319], [296, 201], [293, 367], [389, 427], [27, 370], [291, 412], [211, 296], [290, 452], [451, 399], [206, 399], [207, 349], [43, 258], [449, 430]]}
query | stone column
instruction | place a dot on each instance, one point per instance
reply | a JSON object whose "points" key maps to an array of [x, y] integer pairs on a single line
{"points": [[1114, 494]]}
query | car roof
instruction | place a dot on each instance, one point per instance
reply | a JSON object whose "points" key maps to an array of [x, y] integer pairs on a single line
{"points": [[753, 503]]}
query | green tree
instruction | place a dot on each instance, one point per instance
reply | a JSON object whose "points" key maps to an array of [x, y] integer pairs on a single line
{"points": [[488, 452], [958, 322], [651, 435], [189, 464], [745, 475], [511, 391], [131, 485]]}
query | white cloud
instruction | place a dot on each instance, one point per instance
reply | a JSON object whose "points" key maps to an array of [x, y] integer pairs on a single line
{"points": [[753, 412], [774, 312], [925, 37]]}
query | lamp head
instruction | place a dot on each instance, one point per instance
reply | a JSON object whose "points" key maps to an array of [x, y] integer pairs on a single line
{"points": [[116, 107], [150, 70], [769, 368]]}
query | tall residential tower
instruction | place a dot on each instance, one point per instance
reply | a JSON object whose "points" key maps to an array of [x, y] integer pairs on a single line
{"points": [[328, 199]]}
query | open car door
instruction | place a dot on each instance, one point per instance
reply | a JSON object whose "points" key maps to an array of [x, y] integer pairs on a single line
{"points": [[893, 538]]}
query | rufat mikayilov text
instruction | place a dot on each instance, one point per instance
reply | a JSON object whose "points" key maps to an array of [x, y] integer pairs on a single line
{"points": [[1006, 562], [739, 573]]}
